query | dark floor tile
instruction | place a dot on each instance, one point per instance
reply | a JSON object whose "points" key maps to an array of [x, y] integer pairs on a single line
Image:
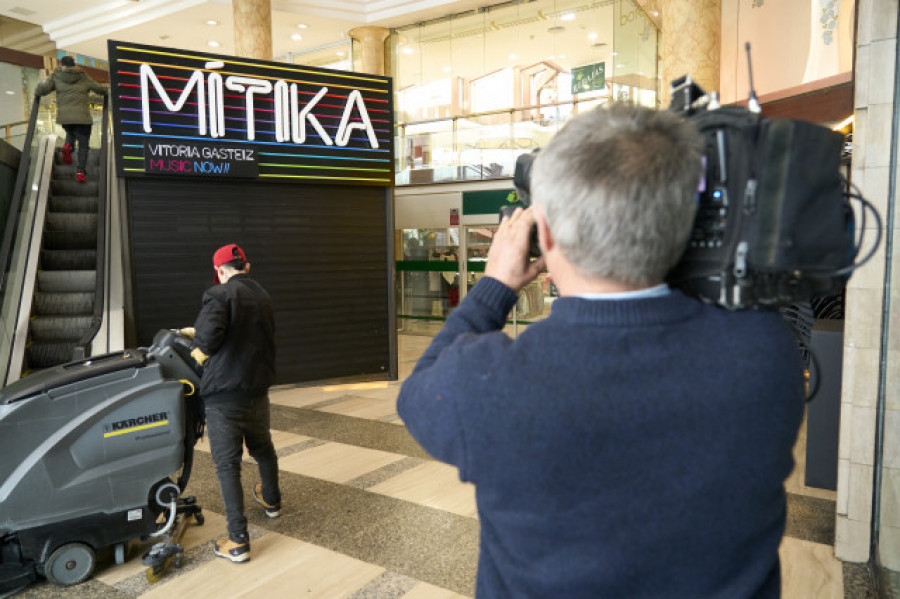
{"points": [[888, 583], [89, 588], [371, 434], [858, 581], [810, 519], [423, 543]]}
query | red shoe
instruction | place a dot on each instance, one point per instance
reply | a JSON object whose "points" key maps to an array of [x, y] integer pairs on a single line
{"points": [[80, 176], [67, 154]]}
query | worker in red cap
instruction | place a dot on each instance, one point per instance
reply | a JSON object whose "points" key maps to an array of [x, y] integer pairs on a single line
{"points": [[234, 340]]}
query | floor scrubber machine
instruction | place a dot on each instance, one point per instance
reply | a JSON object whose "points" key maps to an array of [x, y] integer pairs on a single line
{"points": [[93, 454]]}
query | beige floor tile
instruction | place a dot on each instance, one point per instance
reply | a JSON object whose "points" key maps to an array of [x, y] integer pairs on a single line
{"points": [[423, 590], [433, 484], [336, 462], [280, 567], [810, 571], [194, 535], [279, 439], [369, 408], [299, 397]]}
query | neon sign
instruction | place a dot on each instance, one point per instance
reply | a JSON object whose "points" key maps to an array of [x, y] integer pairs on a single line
{"points": [[191, 114]]}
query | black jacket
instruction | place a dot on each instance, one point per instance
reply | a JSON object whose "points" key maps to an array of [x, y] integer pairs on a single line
{"points": [[236, 329]]}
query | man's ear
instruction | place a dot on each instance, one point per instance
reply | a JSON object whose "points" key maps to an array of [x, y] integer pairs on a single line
{"points": [[545, 237], [247, 267]]}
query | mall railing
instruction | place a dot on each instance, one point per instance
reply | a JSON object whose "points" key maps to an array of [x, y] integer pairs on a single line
{"points": [[477, 146]]}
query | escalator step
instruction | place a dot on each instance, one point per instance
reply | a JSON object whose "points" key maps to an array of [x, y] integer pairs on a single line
{"points": [[68, 259], [67, 240], [45, 355], [62, 304], [55, 329], [54, 281], [93, 159], [71, 222], [73, 204], [74, 188]]}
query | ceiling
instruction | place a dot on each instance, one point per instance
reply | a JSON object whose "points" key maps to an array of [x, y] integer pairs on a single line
{"points": [[84, 26]]}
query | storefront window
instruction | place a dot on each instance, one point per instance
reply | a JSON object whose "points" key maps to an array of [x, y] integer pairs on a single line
{"points": [[474, 90]]}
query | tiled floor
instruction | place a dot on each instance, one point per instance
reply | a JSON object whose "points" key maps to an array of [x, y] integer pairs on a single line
{"points": [[367, 514]]}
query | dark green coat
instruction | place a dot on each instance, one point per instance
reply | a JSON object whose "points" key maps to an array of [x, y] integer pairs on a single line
{"points": [[72, 86]]}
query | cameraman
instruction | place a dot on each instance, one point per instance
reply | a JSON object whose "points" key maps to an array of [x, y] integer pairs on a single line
{"points": [[634, 443]]}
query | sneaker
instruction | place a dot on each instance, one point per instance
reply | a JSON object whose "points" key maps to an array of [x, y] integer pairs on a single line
{"points": [[81, 176], [67, 154], [272, 511], [236, 552]]}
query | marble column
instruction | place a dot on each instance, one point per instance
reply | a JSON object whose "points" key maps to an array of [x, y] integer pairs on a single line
{"points": [[253, 28], [690, 43], [368, 49]]}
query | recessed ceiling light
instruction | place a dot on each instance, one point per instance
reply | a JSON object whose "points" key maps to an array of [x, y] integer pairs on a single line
{"points": [[513, 57], [10, 92], [568, 16], [302, 25], [592, 36], [212, 22], [613, 53], [296, 37], [562, 55], [446, 70], [407, 50], [213, 44], [341, 54]]}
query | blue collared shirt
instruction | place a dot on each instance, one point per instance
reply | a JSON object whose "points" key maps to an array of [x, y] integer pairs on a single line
{"points": [[657, 291]]}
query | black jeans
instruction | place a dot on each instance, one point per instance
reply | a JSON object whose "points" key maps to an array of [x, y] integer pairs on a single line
{"points": [[229, 426], [80, 134]]}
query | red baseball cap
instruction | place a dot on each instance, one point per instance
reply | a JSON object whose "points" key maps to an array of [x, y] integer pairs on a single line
{"points": [[225, 254]]}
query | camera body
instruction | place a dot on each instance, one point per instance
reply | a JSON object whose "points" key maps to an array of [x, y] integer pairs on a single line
{"points": [[774, 225]]}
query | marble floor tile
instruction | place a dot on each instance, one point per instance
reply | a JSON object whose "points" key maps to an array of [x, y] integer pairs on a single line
{"points": [[337, 462], [280, 567], [809, 571], [364, 407], [432, 484]]}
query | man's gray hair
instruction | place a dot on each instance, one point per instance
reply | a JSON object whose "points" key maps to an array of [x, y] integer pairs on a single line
{"points": [[618, 187]]}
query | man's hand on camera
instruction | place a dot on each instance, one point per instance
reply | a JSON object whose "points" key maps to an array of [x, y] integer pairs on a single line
{"points": [[508, 257]]}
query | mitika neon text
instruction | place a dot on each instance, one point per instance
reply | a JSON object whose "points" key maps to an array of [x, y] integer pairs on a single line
{"points": [[290, 118]]}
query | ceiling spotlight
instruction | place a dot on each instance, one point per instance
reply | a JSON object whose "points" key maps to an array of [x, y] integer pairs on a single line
{"points": [[446, 70], [592, 36], [513, 57], [340, 53], [296, 37], [613, 53], [213, 44], [10, 92], [212, 22], [302, 25], [567, 16], [407, 50]]}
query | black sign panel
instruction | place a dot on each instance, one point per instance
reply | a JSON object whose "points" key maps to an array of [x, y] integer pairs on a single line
{"points": [[191, 114]]}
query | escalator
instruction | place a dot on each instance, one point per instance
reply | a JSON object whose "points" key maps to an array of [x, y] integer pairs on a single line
{"points": [[54, 258], [64, 292]]}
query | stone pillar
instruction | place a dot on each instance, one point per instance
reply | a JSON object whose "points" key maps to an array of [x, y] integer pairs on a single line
{"points": [[368, 49], [253, 28], [690, 43], [876, 107]]}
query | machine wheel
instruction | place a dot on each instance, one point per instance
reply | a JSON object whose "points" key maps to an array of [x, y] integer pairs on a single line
{"points": [[199, 518], [70, 564]]}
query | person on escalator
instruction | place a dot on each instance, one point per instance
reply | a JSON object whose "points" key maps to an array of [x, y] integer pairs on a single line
{"points": [[73, 88]]}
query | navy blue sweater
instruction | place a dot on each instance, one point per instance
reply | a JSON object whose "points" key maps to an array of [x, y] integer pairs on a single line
{"points": [[633, 448]]}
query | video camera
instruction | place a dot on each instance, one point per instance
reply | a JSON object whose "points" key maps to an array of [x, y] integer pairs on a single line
{"points": [[774, 223]]}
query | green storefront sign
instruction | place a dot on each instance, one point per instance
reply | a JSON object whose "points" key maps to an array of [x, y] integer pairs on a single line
{"points": [[588, 78], [488, 201]]}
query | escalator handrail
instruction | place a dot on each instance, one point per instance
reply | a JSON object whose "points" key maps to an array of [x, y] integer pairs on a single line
{"points": [[81, 351], [15, 204]]}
